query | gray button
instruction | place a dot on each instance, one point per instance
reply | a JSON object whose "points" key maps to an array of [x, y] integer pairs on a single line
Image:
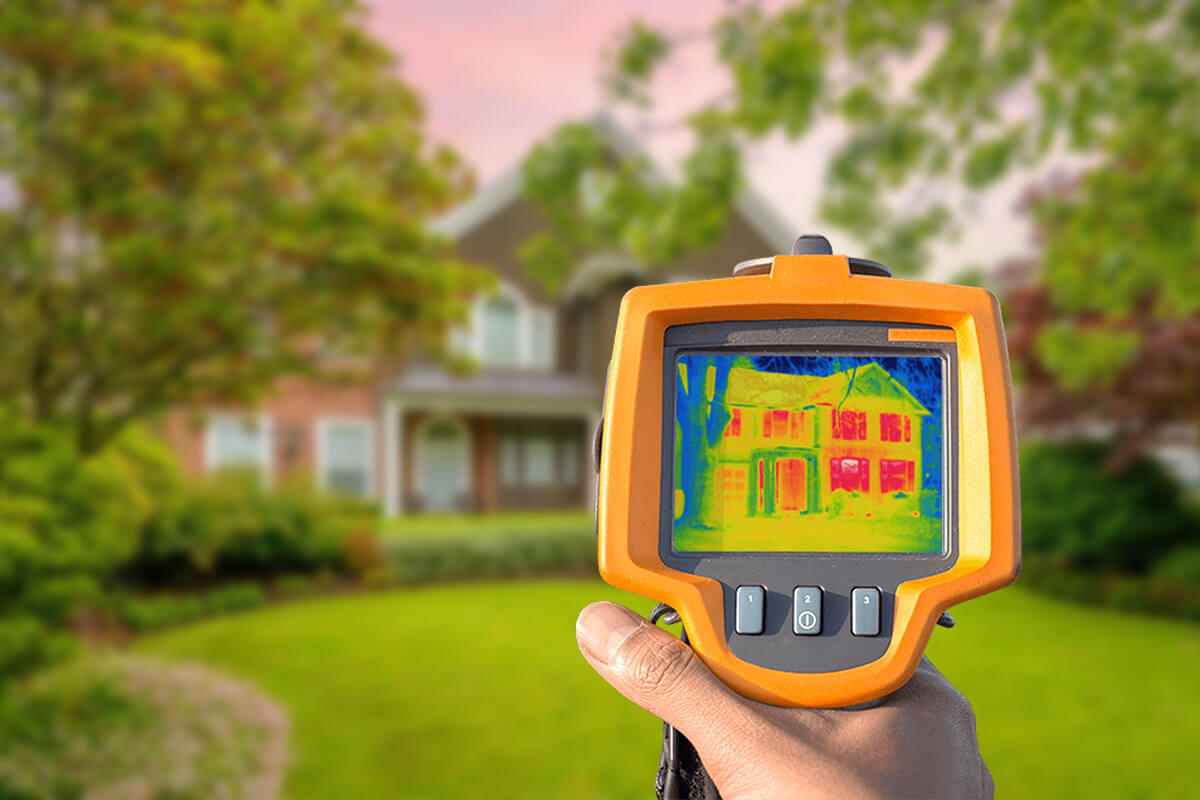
{"points": [[751, 601], [806, 610], [864, 616]]}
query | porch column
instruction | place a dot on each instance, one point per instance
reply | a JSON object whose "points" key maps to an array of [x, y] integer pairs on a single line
{"points": [[393, 447]]}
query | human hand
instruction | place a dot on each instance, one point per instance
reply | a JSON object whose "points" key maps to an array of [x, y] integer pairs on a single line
{"points": [[920, 742]]}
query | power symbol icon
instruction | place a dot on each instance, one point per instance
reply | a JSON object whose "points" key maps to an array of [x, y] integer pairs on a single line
{"points": [[807, 620]]}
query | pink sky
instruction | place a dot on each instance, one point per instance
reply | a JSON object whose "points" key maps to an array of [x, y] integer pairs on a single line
{"points": [[496, 76]]}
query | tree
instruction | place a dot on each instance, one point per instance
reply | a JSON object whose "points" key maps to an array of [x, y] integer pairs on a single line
{"points": [[940, 101], [1145, 394], [201, 191], [701, 414]]}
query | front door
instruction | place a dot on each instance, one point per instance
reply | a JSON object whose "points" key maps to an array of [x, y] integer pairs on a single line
{"points": [[791, 484], [785, 482], [443, 453]]}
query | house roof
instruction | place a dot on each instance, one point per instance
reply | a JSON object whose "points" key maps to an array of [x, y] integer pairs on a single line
{"points": [[515, 392], [506, 188], [780, 389]]}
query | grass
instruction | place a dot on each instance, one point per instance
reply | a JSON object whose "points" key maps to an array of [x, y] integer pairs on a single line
{"points": [[451, 525], [477, 690]]}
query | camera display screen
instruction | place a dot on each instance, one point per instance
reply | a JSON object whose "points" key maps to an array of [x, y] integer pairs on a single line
{"points": [[800, 452]]}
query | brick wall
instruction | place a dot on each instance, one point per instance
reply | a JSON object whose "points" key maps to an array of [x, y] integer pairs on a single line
{"points": [[294, 408]]}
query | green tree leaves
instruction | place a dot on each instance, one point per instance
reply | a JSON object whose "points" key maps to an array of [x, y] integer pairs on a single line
{"points": [[639, 51], [777, 67], [1082, 357], [942, 100], [204, 191]]}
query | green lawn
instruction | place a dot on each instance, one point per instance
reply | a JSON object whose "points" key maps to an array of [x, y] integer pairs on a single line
{"points": [[477, 690]]}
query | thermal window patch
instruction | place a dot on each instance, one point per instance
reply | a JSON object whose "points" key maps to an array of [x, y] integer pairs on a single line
{"points": [[808, 453]]}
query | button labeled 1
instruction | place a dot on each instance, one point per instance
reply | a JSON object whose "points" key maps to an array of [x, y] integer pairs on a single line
{"points": [[864, 615], [748, 615], [806, 610]]}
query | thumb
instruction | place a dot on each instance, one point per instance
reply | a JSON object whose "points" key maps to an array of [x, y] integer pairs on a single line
{"points": [[656, 671]]}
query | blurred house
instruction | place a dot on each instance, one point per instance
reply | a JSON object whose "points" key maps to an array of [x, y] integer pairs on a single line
{"points": [[516, 433]]}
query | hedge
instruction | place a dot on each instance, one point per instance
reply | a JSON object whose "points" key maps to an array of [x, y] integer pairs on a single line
{"points": [[228, 526], [1079, 514], [430, 558], [159, 611], [415, 559], [1154, 594]]}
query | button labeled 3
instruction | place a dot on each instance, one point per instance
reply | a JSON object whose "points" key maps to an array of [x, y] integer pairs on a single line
{"points": [[864, 615]]}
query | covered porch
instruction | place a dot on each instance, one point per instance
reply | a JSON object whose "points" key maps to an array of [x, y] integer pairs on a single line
{"points": [[487, 442]]}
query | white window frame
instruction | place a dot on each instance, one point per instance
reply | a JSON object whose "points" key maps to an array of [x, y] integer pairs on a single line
{"points": [[263, 429], [570, 453], [546, 316], [468, 339], [464, 471], [323, 424], [552, 476]]}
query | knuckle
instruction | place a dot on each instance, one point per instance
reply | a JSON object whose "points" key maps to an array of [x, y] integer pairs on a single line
{"points": [[655, 663]]}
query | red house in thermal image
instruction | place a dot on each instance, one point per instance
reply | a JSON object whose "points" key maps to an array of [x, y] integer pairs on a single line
{"points": [[794, 441]]}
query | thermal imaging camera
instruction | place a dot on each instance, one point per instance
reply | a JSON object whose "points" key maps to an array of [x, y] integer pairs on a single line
{"points": [[809, 461]]}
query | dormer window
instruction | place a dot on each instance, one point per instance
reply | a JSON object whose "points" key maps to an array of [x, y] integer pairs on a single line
{"points": [[506, 331]]}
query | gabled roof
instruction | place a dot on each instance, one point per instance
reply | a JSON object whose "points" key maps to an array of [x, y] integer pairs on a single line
{"points": [[780, 389], [506, 188]]}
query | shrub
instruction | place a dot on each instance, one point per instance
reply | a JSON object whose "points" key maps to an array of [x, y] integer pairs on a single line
{"points": [[463, 557], [294, 585], [135, 728], [65, 524], [1077, 586], [1174, 597], [1128, 594], [230, 526], [236, 597], [150, 613], [1157, 594], [162, 610], [1181, 565], [1078, 514], [362, 553]]}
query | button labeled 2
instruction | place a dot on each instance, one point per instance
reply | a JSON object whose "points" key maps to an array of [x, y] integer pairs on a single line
{"points": [[806, 610], [748, 617]]}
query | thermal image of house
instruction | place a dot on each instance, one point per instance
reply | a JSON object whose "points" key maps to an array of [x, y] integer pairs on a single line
{"points": [[797, 444]]}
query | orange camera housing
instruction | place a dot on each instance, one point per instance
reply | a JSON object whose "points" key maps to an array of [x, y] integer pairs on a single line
{"points": [[984, 502]]}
